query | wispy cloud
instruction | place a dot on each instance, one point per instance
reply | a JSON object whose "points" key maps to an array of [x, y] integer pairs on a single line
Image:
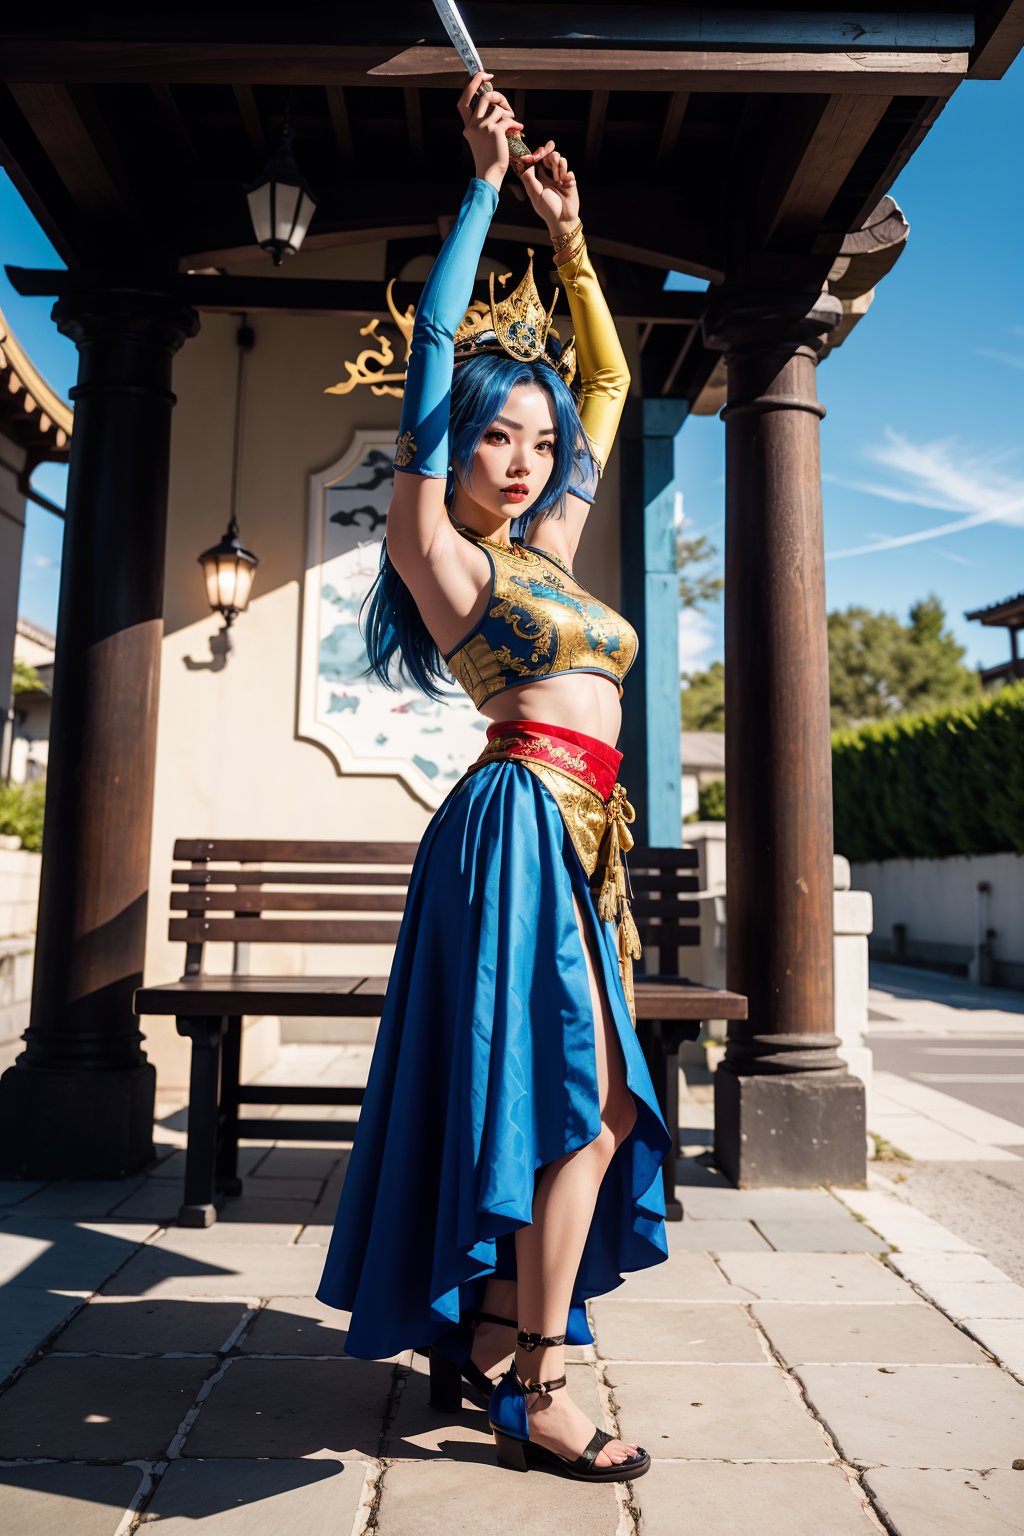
{"points": [[697, 637], [1011, 359], [941, 475]]}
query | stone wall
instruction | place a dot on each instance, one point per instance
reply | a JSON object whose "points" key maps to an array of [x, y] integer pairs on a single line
{"points": [[19, 898]]}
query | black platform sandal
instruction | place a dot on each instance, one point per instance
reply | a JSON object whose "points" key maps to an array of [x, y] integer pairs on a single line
{"points": [[453, 1374], [510, 1423]]}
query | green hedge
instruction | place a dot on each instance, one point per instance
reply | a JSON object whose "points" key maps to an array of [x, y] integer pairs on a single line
{"points": [[926, 786], [21, 812]]}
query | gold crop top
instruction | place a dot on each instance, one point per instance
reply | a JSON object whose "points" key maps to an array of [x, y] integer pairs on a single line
{"points": [[538, 622]]}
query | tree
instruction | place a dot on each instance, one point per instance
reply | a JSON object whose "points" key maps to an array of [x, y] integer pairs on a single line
{"points": [[880, 668], [696, 588], [703, 699], [24, 678]]}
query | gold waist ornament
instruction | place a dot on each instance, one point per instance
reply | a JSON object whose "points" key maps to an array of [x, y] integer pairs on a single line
{"points": [[599, 830]]}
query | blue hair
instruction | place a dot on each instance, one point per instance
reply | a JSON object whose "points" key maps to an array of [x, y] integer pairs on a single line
{"points": [[393, 628]]}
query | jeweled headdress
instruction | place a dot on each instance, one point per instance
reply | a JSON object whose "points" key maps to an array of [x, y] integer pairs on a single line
{"points": [[517, 325]]}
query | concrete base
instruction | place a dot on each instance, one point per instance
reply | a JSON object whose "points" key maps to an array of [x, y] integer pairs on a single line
{"points": [[791, 1130], [76, 1125]]}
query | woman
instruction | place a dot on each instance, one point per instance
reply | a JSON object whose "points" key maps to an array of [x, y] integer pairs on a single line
{"points": [[507, 1160]]}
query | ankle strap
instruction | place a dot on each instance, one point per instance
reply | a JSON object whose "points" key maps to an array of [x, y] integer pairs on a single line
{"points": [[538, 1386], [532, 1341], [475, 1315]]}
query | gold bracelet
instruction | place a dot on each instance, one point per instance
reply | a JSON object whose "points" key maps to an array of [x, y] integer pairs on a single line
{"points": [[561, 240], [569, 253]]}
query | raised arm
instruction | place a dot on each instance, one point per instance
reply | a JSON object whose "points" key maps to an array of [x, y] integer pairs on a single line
{"points": [[417, 508], [603, 372]]}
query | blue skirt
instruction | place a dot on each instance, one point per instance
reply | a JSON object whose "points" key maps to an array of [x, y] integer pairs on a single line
{"points": [[483, 1071]]}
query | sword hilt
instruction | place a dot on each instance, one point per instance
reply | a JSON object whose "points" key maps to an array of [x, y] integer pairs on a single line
{"points": [[518, 148]]}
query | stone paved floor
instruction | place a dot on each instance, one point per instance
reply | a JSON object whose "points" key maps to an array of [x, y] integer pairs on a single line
{"points": [[784, 1367]]}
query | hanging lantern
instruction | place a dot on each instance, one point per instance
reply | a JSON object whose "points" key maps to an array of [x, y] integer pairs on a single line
{"points": [[228, 569], [280, 202]]}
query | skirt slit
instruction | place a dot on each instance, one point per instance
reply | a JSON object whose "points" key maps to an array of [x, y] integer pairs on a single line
{"points": [[484, 1071]]}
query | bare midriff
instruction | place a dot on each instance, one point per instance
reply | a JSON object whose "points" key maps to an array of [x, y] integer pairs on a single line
{"points": [[578, 701]]}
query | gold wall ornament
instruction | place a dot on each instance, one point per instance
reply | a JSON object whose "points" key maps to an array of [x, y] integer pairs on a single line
{"points": [[369, 367], [517, 325]]}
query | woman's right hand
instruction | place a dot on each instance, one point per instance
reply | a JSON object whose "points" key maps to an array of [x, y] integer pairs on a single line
{"points": [[488, 122]]}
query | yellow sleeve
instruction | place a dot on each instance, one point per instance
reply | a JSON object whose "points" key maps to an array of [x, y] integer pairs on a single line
{"points": [[604, 374]]}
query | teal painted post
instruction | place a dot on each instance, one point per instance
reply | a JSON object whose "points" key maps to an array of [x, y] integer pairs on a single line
{"points": [[652, 771]]}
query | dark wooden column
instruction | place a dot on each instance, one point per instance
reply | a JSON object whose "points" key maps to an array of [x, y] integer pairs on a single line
{"points": [[787, 1111], [78, 1101], [650, 599]]}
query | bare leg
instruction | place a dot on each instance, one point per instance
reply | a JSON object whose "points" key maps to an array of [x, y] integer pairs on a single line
{"points": [[548, 1252]]}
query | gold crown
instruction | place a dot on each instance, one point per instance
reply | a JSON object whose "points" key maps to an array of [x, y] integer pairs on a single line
{"points": [[517, 325]]}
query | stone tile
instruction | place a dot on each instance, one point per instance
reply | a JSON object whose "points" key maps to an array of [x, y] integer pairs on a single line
{"points": [[52, 1500], [223, 1269], [257, 1498], [899, 1223], [45, 1253], [927, 1269], [1002, 1337], [935, 1503], [418, 1431], [250, 1157], [447, 1498], [247, 1208], [715, 1412], [815, 1277], [919, 1415], [834, 1235], [81, 1197], [297, 1325], [157, 1201], [258, 1188], [801, 1499], [286, 1164], [681, 1277], [98, 1409], [292, 1409], [692, 1174], [670, 1330], [729, 1204], [29, 1317], [318, 1233], [879, 1335], [145, 1327], [713, 1237], [194, 1239], [971, 1299], [13, 1191]]}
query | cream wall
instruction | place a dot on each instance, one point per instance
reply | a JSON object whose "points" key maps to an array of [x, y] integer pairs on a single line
{"points": [[229, 762]]}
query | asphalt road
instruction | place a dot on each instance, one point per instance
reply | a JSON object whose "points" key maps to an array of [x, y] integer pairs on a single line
{"points": [[985, 1072]]}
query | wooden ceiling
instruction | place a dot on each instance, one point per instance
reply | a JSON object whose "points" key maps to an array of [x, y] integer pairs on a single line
{"points": [[719, 143]]}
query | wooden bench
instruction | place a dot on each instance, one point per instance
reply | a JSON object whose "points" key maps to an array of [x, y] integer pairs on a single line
{"points": [[670, 1007], [249, 891]]}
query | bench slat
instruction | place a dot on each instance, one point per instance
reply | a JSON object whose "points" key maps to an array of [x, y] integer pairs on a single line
{"points": [[288, 901], [205, 876], [283, 930], [261, 850]]}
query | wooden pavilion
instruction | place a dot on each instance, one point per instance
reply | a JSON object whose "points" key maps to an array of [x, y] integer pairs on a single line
{"points": [[1009, 615], [751, 148]]}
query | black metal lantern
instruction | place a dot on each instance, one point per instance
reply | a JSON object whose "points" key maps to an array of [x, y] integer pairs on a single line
{"points": [[228, 568], [280, 202]]}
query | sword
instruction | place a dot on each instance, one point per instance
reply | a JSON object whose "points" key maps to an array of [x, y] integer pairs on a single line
{"points": [[466, 49]]}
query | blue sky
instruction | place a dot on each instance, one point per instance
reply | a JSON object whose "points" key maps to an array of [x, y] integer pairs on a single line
{"points": [[922, 456]]}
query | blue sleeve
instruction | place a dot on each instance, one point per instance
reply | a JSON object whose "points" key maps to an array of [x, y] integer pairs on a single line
{"points": [[423, 432]]}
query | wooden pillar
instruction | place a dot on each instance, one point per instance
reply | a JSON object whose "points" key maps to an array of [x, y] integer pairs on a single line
{"points": [[650, 599], [78, 1101], [787, 1110]]}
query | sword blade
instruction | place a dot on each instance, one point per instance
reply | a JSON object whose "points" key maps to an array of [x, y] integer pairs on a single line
{"points": [[458, 32]]}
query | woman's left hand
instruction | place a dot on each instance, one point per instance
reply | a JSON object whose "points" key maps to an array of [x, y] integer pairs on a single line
{"points": [[551, 187]]}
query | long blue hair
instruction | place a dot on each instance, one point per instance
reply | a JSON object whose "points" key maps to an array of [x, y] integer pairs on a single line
{"points": [[393, 629]]}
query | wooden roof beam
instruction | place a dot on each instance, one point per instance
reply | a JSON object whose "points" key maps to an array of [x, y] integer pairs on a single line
{"points": [[341, 124], [672, 122], [250, 115], [882, 70], [798, 178]]}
